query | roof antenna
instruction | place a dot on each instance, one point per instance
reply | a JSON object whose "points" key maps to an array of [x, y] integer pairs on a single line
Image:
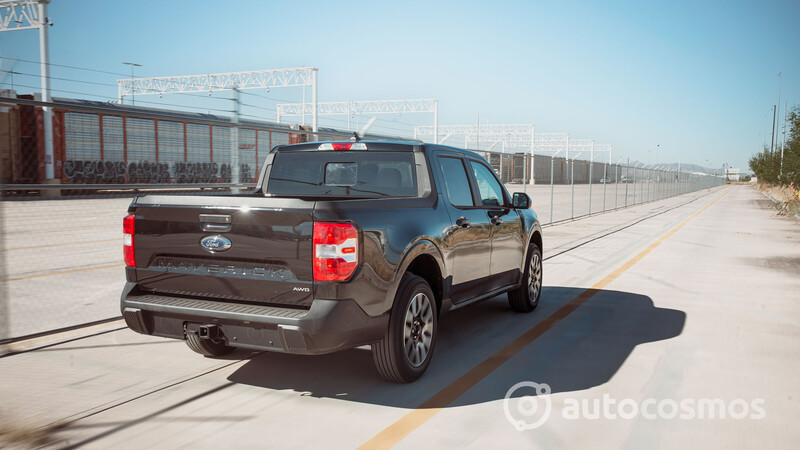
{"points": [[355, 137]]}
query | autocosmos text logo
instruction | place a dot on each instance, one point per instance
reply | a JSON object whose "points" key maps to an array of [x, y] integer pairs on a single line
{"points": [[528, 405]]}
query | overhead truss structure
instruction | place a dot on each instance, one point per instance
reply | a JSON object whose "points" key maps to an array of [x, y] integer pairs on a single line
{"points": [[25, 15], [256, 79], [360, 107], [512, 138], [487, 129], [21, 15], [483, 136], [350, 108]]}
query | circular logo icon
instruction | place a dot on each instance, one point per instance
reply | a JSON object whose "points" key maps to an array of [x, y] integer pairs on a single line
{"points": [[531, 409], [214, 244]]}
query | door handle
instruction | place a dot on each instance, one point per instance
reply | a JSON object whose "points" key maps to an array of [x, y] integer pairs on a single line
{"points": [[216, 228], [497, 220], [463, 222]]}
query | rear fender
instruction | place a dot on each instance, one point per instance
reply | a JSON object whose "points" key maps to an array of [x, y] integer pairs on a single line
{"points": [[422, 246]]}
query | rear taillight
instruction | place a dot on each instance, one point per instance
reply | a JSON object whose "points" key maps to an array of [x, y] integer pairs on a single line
{"points": [[127, 240], [335, 251]]}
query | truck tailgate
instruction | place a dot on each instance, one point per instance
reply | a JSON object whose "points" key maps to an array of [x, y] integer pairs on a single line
{"points": [[268, 261]]}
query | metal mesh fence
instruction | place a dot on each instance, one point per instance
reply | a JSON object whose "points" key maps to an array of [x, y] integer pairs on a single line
{"points": [[60, 246]]}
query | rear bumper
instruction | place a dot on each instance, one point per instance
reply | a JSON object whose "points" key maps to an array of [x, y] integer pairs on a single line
{"points": [[328, 326]]}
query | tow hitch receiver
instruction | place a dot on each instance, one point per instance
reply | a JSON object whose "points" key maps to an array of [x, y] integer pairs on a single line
{"points": [[211, 331]]}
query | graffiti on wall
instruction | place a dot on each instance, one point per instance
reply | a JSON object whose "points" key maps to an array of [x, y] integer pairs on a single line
{"points": [[109, 172]]}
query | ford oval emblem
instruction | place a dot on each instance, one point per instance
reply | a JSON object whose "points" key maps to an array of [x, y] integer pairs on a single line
{"points": [[215, 244]]}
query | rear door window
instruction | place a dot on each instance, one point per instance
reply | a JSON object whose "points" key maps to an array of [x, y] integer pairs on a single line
{"points": [[456, 182]]}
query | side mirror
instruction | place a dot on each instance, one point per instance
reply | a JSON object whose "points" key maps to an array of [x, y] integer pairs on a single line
{"points": [[521, 200]]}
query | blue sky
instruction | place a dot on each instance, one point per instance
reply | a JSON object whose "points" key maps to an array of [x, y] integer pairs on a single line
{"points": [[695, 79]]}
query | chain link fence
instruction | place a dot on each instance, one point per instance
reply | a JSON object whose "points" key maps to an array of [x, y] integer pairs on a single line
{"points": [[61, 260], [564, 188]]}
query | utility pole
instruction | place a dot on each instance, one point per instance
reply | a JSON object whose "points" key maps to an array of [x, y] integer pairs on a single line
{"points": [[133, 98], [772, 137], [783, 142], [27, 15], [780, 170], [780, 82], [44, 53], [235, 139]]}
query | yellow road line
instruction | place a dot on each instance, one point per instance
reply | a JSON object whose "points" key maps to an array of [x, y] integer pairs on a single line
{"points": [[397, 431], [60, 245], [62, 273]]}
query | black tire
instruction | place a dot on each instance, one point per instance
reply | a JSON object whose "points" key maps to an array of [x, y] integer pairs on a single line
{"points": [[526, 297], [416, 324], [207, 347]]}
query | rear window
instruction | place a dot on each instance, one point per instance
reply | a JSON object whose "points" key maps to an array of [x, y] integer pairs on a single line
{"points": [[337, 173]]}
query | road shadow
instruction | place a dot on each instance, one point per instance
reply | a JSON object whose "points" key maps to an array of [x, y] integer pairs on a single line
{"points": [[583, 350]]}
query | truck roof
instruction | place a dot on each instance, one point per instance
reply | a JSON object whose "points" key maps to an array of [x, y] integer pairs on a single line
{"points": [[390, 146]]}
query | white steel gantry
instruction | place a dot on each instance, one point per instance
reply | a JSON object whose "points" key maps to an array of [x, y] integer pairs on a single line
{"points": [[25, 15], [350, 108], [229, 81], [256, 79], [489, 134], [20, 15]]}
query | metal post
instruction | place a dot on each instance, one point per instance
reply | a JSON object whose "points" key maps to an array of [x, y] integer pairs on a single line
{"points": [[533, 158], [436, 121], [605, 184], [627, 168], [552, 163], [657, 187], [642, 194], [44, 56], [616, 185], [314, 111], [566, 174], [572, 182], [591, 171], [235, 140], [5, 309]]}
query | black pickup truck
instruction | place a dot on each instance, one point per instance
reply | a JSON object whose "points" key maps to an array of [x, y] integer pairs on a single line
{"points": [[341, 244]]}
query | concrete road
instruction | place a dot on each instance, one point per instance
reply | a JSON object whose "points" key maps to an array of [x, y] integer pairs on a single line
{"points": [[671, 324]]}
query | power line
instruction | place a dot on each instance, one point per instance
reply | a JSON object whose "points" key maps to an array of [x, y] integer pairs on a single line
{"points": [[57, 78], [67, 67], [258, 107], [381, 124], [114, 98], [105, 84], [264, 97]]}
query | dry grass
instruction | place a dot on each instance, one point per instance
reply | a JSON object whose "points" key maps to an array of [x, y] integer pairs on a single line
{"points": [[787, 197]]}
